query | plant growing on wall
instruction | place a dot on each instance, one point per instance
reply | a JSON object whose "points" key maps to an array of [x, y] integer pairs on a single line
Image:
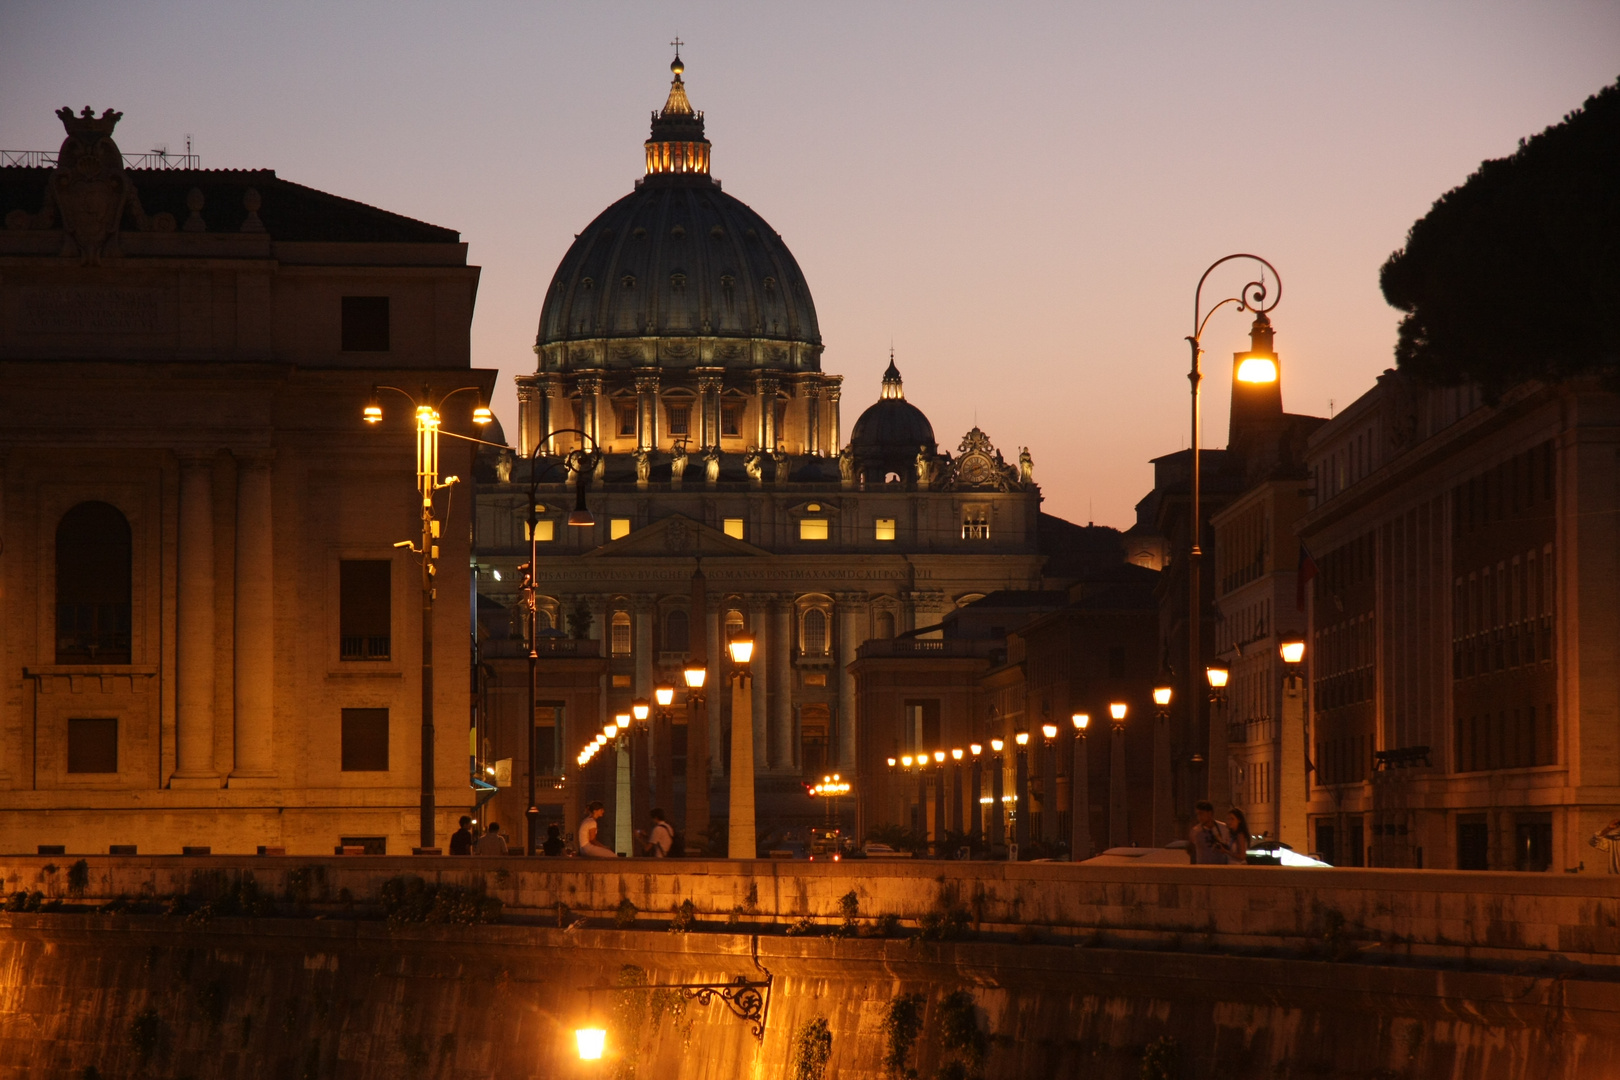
{"points": [[812, 1049], [631, 1015], [624, 916], [959, 1032], [901, 1026], [1162, 1059]]}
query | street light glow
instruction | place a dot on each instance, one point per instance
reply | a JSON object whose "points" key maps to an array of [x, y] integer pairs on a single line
{"points": [[695, 676], [1293, 650], [640, 708], [664, 695], [956, 754], [1161, 696], [742, 650], [1257, 368], [1081, 721], [1117, 710], [1049, 730], [997, 744], [1021, 738], [939, 756], [976, 749], [905, 759], [1217, 676], [591, 1043]]}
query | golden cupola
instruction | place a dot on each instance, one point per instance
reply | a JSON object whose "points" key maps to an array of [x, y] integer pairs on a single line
{"points": [[677, 145]]}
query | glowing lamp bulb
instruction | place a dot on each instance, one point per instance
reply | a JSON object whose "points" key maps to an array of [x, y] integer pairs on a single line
{"points": [[1117, 710], [939, 756], [1021, 738], [1081, 721], [1257, 368], [1049, 730], [482, 415], [997, 744], [742, 650], [1292, 651], [591, 1043], [905, 759], [373, 413], [1161, 696], [891, 763], [976, 749], [956, 755], [639, 708], [664, 695], [695, 677]]}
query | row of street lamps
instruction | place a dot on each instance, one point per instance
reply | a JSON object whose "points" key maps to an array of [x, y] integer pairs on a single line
{"points": [[1292, 652]]}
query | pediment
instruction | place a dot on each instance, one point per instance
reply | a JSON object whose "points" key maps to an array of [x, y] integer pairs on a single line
{"points": [[676, 536]]}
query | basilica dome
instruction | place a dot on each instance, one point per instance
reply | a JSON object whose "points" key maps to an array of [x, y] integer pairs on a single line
{"points": [[891, 432], [678, 273]]}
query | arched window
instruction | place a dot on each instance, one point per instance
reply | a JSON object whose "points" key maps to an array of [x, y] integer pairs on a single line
{"points": [[621, 633], [883, 625], [542, 620], [735, 625], [676, 634], [815, 632], [93, 592]]}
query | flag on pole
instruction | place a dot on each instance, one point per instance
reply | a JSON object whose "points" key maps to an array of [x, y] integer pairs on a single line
{"points": [[1305, 573]]}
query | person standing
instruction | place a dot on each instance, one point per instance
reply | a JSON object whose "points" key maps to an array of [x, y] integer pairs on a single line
{"points": [[1237, 824], [1209, 837], [589, 846], [554, 841], [461, 841], [492, 842], [660, 840]]}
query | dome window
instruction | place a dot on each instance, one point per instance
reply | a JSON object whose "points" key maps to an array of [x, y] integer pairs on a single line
{"points": [[717, 233], [677, 281], [629, 281], [678, 232], [752, 234], [585, 284], [639, 233]]}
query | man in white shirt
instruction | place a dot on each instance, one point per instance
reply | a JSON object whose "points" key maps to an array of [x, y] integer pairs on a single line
{"points": [[1210, 838], [589, 846], [491, 843], [660, 840]]}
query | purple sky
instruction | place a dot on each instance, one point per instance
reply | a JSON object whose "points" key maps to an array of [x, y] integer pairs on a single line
{"points": [[1020, 196]]}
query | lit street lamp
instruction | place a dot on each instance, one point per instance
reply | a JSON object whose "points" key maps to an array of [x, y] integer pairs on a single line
{"points": [[956, 791], [1118, 826], [1020, 795], [1220, 776], [1080, 794], [995, 828], [1258, 366], [697, 765], [1163, 807], [976, 800], [428, 424], [1293, 788], [742, 841], [1049, 775]]}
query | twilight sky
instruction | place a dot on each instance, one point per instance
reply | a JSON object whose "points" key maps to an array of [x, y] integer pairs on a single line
{"points": [[1021, 196]]}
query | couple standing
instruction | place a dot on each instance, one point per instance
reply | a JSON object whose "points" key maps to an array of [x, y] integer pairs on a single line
{"points": [[1215, 842]]}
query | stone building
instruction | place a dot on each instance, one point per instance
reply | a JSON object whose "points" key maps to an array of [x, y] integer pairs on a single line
{"points": [[1464, 625], [679, 336], [209, 636]]}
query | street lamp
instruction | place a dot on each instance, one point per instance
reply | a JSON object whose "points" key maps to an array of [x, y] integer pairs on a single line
{"points": [[1080, 793], [742, 842], [1049, 783], [1259, 365], [1020, 795], [976, 796], [1118, 809], [956, 790], [996, 828], [428, 430], [1163, 811], [582, 463], [1220, 779], [1293, 787]]}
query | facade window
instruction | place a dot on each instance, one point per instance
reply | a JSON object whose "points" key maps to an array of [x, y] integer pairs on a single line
{"points": [[92, 746], [976, 523], [542, 620], [883, 625], [731, 418], [735, 624], [677, 632], [548, 732], [621, 633], [627, 420], [365, 740], [618, 528], [781, 419], [544, 532], [365, 324], [93, 586], [815, 632], [734, 528], [680, 419], [812, 528], [365, 610], [884, 529]]}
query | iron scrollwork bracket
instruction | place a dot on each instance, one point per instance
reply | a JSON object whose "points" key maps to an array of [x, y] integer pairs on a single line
{"points": [[745, 999]]}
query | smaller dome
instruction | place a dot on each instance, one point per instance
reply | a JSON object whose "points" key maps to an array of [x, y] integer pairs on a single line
{"points": [[891, 432]]}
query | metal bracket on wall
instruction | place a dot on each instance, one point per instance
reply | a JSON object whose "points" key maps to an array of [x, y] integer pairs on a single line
{"points": [[747, 999]]}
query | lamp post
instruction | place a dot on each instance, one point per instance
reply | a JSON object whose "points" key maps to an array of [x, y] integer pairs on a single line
{"points": [[939, 803], [697, 767], [428, 424], [742, 841], [1258, 366], [581, 463], [1163, 806], [662, 752], [829, 789], [1020, 795], [1293, 785], [975, 801], [1220, 778], [1080, 793], [1118, 824], [1049, 784], [956, 791], [996, 829]]}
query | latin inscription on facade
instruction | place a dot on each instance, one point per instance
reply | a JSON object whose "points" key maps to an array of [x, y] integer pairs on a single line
{"points": [[91, 309]]}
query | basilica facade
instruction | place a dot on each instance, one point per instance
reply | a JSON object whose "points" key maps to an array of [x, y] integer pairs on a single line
{"points": [[679, 350]]}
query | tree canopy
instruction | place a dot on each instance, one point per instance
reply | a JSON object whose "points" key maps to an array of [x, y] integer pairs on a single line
{"points": [[1515, 275]]}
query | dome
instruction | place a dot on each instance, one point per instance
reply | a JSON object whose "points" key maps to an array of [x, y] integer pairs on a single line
{"points": [[678, 272], [890, 433]]}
